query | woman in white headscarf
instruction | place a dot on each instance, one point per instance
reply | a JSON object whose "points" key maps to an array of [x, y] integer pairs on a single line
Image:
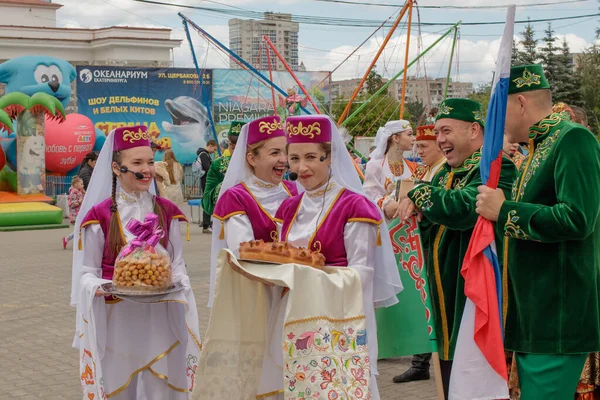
{"points": [[252, 191], [333, 216], [388, 165]]}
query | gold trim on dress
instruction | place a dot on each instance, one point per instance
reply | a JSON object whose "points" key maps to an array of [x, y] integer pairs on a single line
{"points": [[264, 185], [323, 317], [226, 217], [258, 203], [440, 292], [314, 235], [137, 371], [367, 220], [166, 378], [265, 395]]}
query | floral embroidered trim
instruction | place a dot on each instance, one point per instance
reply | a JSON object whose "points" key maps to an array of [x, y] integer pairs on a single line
{"points": [[269, 127], [224, 164], [444, 110], [539, 156], [397, 167], [479, 116], [132, 136], [544, 126], [423, 198], [527, 79], [264, 185], [512, 229], [321, 192], [471, 162], [310, 131]]}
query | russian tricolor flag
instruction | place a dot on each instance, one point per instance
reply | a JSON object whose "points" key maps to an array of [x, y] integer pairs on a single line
{"points": [[479, 369]]}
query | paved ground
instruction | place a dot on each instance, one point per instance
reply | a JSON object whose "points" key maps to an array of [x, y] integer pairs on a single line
{"points": [[36, 321]]}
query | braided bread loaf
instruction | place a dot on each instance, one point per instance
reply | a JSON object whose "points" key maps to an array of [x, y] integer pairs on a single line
{"points": [[281, 253]]}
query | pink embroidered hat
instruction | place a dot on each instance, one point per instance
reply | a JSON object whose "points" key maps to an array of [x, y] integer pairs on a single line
{"points": [[308, 129], [265, 128], [132, 136]]}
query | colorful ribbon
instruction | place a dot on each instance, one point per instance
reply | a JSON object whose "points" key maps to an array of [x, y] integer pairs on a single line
{"points": [[148, 232]]}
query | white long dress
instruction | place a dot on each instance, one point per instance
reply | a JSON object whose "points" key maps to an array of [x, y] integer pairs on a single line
{"points": [[359, 242], [140, 351], [380, 182]]}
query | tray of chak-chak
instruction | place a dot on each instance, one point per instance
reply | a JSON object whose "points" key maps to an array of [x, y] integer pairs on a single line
{"points": [[257, 251], [135, 292]]}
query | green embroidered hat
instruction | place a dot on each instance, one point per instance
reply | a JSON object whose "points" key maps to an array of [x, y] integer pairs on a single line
{"points": [[235, 128], [462, 110], [524, 78]]}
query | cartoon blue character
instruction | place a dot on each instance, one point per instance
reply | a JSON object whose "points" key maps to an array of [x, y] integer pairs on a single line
{"points": [[34, 74]]}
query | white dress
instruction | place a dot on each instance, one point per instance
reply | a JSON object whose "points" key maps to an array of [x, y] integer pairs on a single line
{"points": [[380, 182], [359, 241], [145, 351]]}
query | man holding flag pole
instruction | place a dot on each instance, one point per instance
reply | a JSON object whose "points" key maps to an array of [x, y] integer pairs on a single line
{"points": [[551, 224]]}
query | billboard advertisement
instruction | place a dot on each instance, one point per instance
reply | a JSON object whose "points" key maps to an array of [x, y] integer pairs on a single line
{"points": [[172, 102], [239, 96]]}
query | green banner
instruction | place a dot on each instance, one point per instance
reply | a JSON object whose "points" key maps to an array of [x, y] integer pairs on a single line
{"points": [[407, 327]]}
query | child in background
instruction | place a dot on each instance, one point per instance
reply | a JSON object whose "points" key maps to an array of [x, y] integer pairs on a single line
{"points": [[76, 193]]}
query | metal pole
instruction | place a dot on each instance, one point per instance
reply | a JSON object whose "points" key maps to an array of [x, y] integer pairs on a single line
{"points": [[208, 106], [384, 87], [271, 76], [450, 65], [402, 100], [360, 85], [289, 69], [236, 57]]}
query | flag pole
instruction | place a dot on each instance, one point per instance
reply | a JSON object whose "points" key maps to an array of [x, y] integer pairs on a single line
{"points": [[271, 77], [450, 64], [403, 99]]}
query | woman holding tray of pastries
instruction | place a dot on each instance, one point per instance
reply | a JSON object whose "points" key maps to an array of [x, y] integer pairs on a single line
{"points": [[334, 217], [388, 165], [252, 191], [143, 349]]}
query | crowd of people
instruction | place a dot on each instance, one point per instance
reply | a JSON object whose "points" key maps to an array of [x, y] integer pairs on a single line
{"points": [[295, 331]]}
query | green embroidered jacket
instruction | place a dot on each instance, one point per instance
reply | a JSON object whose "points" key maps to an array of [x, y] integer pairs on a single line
{"points": [[553, 239], [214, 179], [448, 206]]}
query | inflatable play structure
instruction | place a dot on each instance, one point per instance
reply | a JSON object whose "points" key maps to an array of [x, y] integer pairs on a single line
{"points": [[37, 137]]}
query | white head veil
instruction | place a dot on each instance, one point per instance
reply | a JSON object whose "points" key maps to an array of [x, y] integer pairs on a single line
{"points": [[384, 133], [99, 189], [237, 171], [386, 280]]}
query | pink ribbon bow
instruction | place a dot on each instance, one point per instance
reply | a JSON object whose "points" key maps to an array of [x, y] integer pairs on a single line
{"points": [[148, 231]]}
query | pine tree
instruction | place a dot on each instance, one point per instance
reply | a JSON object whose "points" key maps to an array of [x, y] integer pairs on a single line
{"points": [[529, 55], [550, 61], [569, 90], [515, 53]]}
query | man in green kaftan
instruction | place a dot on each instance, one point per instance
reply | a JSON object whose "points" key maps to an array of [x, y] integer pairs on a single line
{"points": [[553, 250], [218, 168], [446, 207]]}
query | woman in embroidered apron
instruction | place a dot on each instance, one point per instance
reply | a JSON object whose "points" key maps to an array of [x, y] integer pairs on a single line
{"points": [[334, 216], [388, 165], [130, 350], [252, 191]]}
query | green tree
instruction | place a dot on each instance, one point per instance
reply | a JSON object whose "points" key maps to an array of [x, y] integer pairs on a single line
{"points": [[589, 71], [374, 82], [416, 109], [569, 85], [551, 62], [529, 54], [319, 98], [515, 53], [482, 95], [381, 109]]}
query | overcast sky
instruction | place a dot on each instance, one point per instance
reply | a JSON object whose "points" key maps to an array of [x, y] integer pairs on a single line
{"points": [[324, 47]]}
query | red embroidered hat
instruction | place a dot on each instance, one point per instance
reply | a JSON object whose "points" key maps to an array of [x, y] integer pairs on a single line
{"points": [[308, 129], [425, 132], [132, 136], [265, 128]]}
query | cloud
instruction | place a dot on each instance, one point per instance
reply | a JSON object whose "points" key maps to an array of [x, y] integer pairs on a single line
{"points": [[207, 56], [476, 58]]}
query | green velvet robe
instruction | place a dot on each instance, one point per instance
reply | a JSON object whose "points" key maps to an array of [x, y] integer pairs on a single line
{"points": [[554, 243], [214, 178], [448, 206]]}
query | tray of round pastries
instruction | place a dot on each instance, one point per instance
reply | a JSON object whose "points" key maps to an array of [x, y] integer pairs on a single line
{"points": [[139, 292], [257, 251]]}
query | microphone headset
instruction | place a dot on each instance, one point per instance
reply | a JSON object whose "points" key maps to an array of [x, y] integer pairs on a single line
{"points": [[294, 176], [138, 175]]}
